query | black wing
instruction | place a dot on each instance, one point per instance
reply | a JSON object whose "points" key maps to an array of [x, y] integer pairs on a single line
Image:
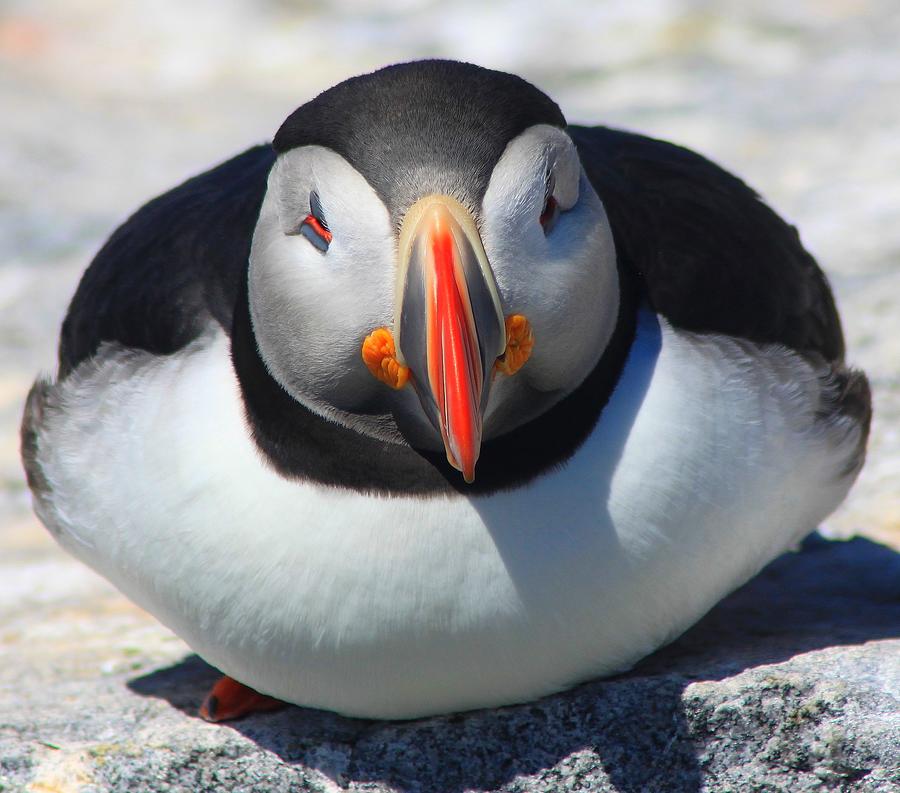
{"points": [[711, 256], [174, 265]]}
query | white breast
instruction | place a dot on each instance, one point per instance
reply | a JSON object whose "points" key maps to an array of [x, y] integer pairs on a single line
{"points": [[707, 462]]}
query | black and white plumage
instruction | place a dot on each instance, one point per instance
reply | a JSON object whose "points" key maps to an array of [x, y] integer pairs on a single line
{"points": [[214, 445]]}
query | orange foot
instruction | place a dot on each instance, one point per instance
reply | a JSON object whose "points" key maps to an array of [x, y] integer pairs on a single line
{"points": [[229, 699]]}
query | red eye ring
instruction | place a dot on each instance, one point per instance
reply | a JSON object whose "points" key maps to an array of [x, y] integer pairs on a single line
{"points": [[313, 222]]}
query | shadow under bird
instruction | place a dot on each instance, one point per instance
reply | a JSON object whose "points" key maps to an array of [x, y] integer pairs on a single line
{"points": [[439, 402]]}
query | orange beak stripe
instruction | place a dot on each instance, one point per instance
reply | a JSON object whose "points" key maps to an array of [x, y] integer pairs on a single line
{"points": [[454, 364]]}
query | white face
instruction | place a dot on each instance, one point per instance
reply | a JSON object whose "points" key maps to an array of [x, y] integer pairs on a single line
{"points": [[311, 308], [564, 280]]}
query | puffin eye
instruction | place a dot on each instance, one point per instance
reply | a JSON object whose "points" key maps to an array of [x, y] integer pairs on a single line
{"points": [[550, 214], [314, 228]]}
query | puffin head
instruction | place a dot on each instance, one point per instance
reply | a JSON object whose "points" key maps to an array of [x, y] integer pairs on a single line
{"points": [[434, 199]]}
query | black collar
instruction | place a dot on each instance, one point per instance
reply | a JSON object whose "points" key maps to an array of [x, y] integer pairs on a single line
{"points": [[300, 444]]}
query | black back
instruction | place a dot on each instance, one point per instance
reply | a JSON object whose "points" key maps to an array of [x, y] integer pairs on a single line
{"points": [[692, 240], [710, 255], [174, 265]]}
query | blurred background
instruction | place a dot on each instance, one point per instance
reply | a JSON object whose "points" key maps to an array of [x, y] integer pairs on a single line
{"points": [[106, 103]]}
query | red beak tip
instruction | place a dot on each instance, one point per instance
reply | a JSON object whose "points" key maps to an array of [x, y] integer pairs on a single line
{"points": [[467, 471]]}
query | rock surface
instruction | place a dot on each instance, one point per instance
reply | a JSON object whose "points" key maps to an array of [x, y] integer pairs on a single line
{"points": [[792, 683]]}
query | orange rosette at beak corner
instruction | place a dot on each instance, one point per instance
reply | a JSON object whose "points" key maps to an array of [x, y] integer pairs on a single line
{"points": [[449, 327]]}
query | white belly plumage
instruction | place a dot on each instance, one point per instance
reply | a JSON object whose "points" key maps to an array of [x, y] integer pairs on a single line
{"points": [[707, 462]]}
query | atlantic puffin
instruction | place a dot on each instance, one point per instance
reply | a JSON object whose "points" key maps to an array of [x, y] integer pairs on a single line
{"points": [[439, 402]]}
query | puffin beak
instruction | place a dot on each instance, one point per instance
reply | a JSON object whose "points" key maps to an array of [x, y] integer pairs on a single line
{"points": [[448, 326]]}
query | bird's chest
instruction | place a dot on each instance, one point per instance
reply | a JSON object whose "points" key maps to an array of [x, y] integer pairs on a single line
{"points": [[692, 445], [703, 465]]}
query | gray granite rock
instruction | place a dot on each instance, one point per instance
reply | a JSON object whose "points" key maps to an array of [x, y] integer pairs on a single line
{"points": [[792, 683]]}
